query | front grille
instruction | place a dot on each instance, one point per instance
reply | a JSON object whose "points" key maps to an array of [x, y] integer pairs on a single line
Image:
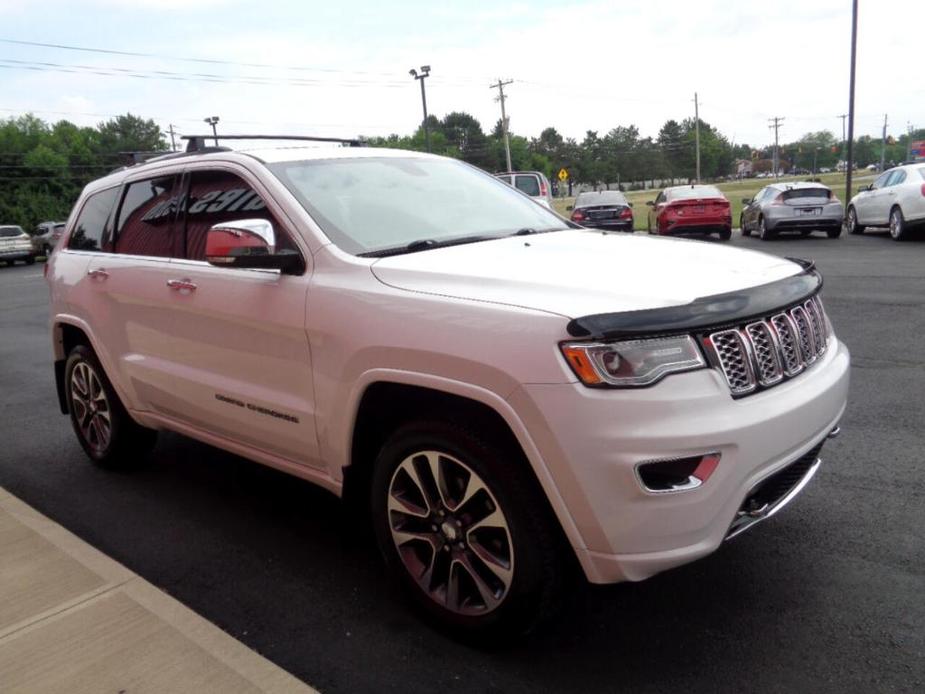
{"points": [[764, 353]]}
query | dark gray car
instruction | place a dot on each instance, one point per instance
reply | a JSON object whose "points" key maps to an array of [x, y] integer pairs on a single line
{"points": [[792, 207]]}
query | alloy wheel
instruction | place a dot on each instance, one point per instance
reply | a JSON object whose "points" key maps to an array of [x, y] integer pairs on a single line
{"points": [[896, 224], [91, 407], [450, 532]]}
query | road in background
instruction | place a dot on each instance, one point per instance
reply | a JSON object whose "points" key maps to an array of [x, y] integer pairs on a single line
{"points": [[826, 596]]}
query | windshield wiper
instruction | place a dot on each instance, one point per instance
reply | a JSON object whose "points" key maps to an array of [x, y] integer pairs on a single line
{"points": [[527, 231], [425, 245]]}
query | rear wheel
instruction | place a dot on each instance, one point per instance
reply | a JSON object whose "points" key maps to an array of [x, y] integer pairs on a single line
{"points": [[898, 229], [462, 532], [853, 226], [106, 432], [30, 260], [833, 233], [725, 234], [763, 233]]}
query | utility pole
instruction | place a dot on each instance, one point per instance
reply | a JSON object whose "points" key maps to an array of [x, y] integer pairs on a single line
{"points": [[854, 55], [697, 133], [883, 145], [173, 142], [843, 116], [815, 158], [507, 143], [909, 142], [424, 74], [775, 123]]}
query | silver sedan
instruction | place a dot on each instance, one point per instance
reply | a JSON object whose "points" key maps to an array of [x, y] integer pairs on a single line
{"points": [[792, 207]]}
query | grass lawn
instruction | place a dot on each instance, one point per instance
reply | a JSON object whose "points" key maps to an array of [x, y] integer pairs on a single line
{"points": [[734, 190]]}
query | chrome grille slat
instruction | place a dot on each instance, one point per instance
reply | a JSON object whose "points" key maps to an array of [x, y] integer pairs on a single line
{"points": [[765, 352]]}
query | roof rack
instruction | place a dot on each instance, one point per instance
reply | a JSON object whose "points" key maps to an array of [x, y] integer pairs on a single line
{"points": [[197, 143]]}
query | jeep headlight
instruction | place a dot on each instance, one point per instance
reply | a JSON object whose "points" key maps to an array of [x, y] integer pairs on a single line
{"points": [[632, 363]]}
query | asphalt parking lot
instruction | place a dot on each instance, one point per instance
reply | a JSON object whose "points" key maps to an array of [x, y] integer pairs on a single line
{"points": [[827, 596]]}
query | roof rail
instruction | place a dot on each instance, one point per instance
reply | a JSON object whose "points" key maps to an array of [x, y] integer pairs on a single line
{"points": [[197, 143], [137, 157]]}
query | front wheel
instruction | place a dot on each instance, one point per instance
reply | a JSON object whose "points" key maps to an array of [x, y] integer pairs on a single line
{"points": [[462, 530], [104, 429], [745, 230], [853, 226], [898, 225]]}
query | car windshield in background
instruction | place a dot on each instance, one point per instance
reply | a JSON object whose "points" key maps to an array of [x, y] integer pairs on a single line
{"points": [[795, 193], [528, 184], [8, 232], [605, 197], [365, 205]]}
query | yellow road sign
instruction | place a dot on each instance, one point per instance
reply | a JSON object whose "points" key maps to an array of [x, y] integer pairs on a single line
{"points": [[563, 175]]}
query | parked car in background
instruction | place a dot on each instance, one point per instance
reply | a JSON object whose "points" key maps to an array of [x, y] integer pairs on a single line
{"points": [[792, 207], [606, 209], [45, 236], [896, 199], [532, 183], [693, 209], [15, 244]]}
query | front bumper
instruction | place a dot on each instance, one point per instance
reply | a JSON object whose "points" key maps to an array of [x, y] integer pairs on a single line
{"points": [[593, 439], [19, 254]]}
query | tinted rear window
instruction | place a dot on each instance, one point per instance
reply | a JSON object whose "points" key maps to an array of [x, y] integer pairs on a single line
{"points": [[796, 193], [605, 197], [687, 193], [9, 232], [528, 184]]}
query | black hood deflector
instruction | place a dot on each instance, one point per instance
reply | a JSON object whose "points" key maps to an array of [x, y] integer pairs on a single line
{"points": [[719, 310]]}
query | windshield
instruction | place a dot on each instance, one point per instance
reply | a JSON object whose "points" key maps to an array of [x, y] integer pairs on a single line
{"points": [[371, 204], [8, 232], [688, 192], [605, 197]]}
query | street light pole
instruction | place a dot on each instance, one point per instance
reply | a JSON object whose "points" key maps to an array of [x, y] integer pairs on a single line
{"points": [[854, 55], [213, 120], [424, 74]]}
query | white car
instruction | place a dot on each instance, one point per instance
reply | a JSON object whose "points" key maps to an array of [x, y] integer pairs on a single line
{"points": [[15, 244], [501, 392], [896, 199]]}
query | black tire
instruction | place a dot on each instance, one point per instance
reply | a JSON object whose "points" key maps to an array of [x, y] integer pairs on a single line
{"points": [[30, 260], [833, 233], [532, 540], [125, 443], [725, 234], [649, 226], [853, 226], [898, 229], [763, 233], [743, 227]]}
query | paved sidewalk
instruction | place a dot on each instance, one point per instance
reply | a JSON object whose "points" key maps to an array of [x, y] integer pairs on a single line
{"points": [[73, 620]]}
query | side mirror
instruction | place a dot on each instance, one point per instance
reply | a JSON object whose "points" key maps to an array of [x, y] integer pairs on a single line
{"points": [[746, 201], [630, 204], [650, 203], [249, 243], [569, 208]]}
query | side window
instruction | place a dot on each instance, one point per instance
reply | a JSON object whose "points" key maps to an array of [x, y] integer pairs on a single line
{"points": [[146, 216], [881, 180], [898, 177], [661, 198], [91, 230], [220, 196]]}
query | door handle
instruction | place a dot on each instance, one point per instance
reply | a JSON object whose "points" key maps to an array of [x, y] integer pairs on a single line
{"points": [[99, 273], [180, 285]]}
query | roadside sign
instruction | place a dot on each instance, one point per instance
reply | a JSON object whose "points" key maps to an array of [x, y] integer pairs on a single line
{"points": [[916, 150], [563, 174]]}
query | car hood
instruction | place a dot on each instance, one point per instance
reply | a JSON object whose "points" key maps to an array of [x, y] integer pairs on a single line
{"points": [[579, 272]]}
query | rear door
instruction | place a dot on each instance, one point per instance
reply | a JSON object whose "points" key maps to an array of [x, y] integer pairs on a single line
{"points": [[242, 368], [129, 297]]}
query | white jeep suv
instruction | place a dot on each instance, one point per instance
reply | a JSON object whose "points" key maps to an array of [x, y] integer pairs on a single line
{"points": [[502, 391]]}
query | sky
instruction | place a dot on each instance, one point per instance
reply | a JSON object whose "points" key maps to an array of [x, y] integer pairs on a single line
{"points": [[341, 68]]}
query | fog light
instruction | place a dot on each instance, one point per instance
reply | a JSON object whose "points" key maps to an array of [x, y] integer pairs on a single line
{"points": [[678, 475]]}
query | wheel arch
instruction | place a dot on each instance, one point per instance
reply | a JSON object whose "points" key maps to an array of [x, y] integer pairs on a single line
{"points": [[68, 332], [383, 403]]}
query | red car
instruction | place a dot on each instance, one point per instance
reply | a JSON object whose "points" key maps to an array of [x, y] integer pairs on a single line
{"points": [[693, 209]]}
